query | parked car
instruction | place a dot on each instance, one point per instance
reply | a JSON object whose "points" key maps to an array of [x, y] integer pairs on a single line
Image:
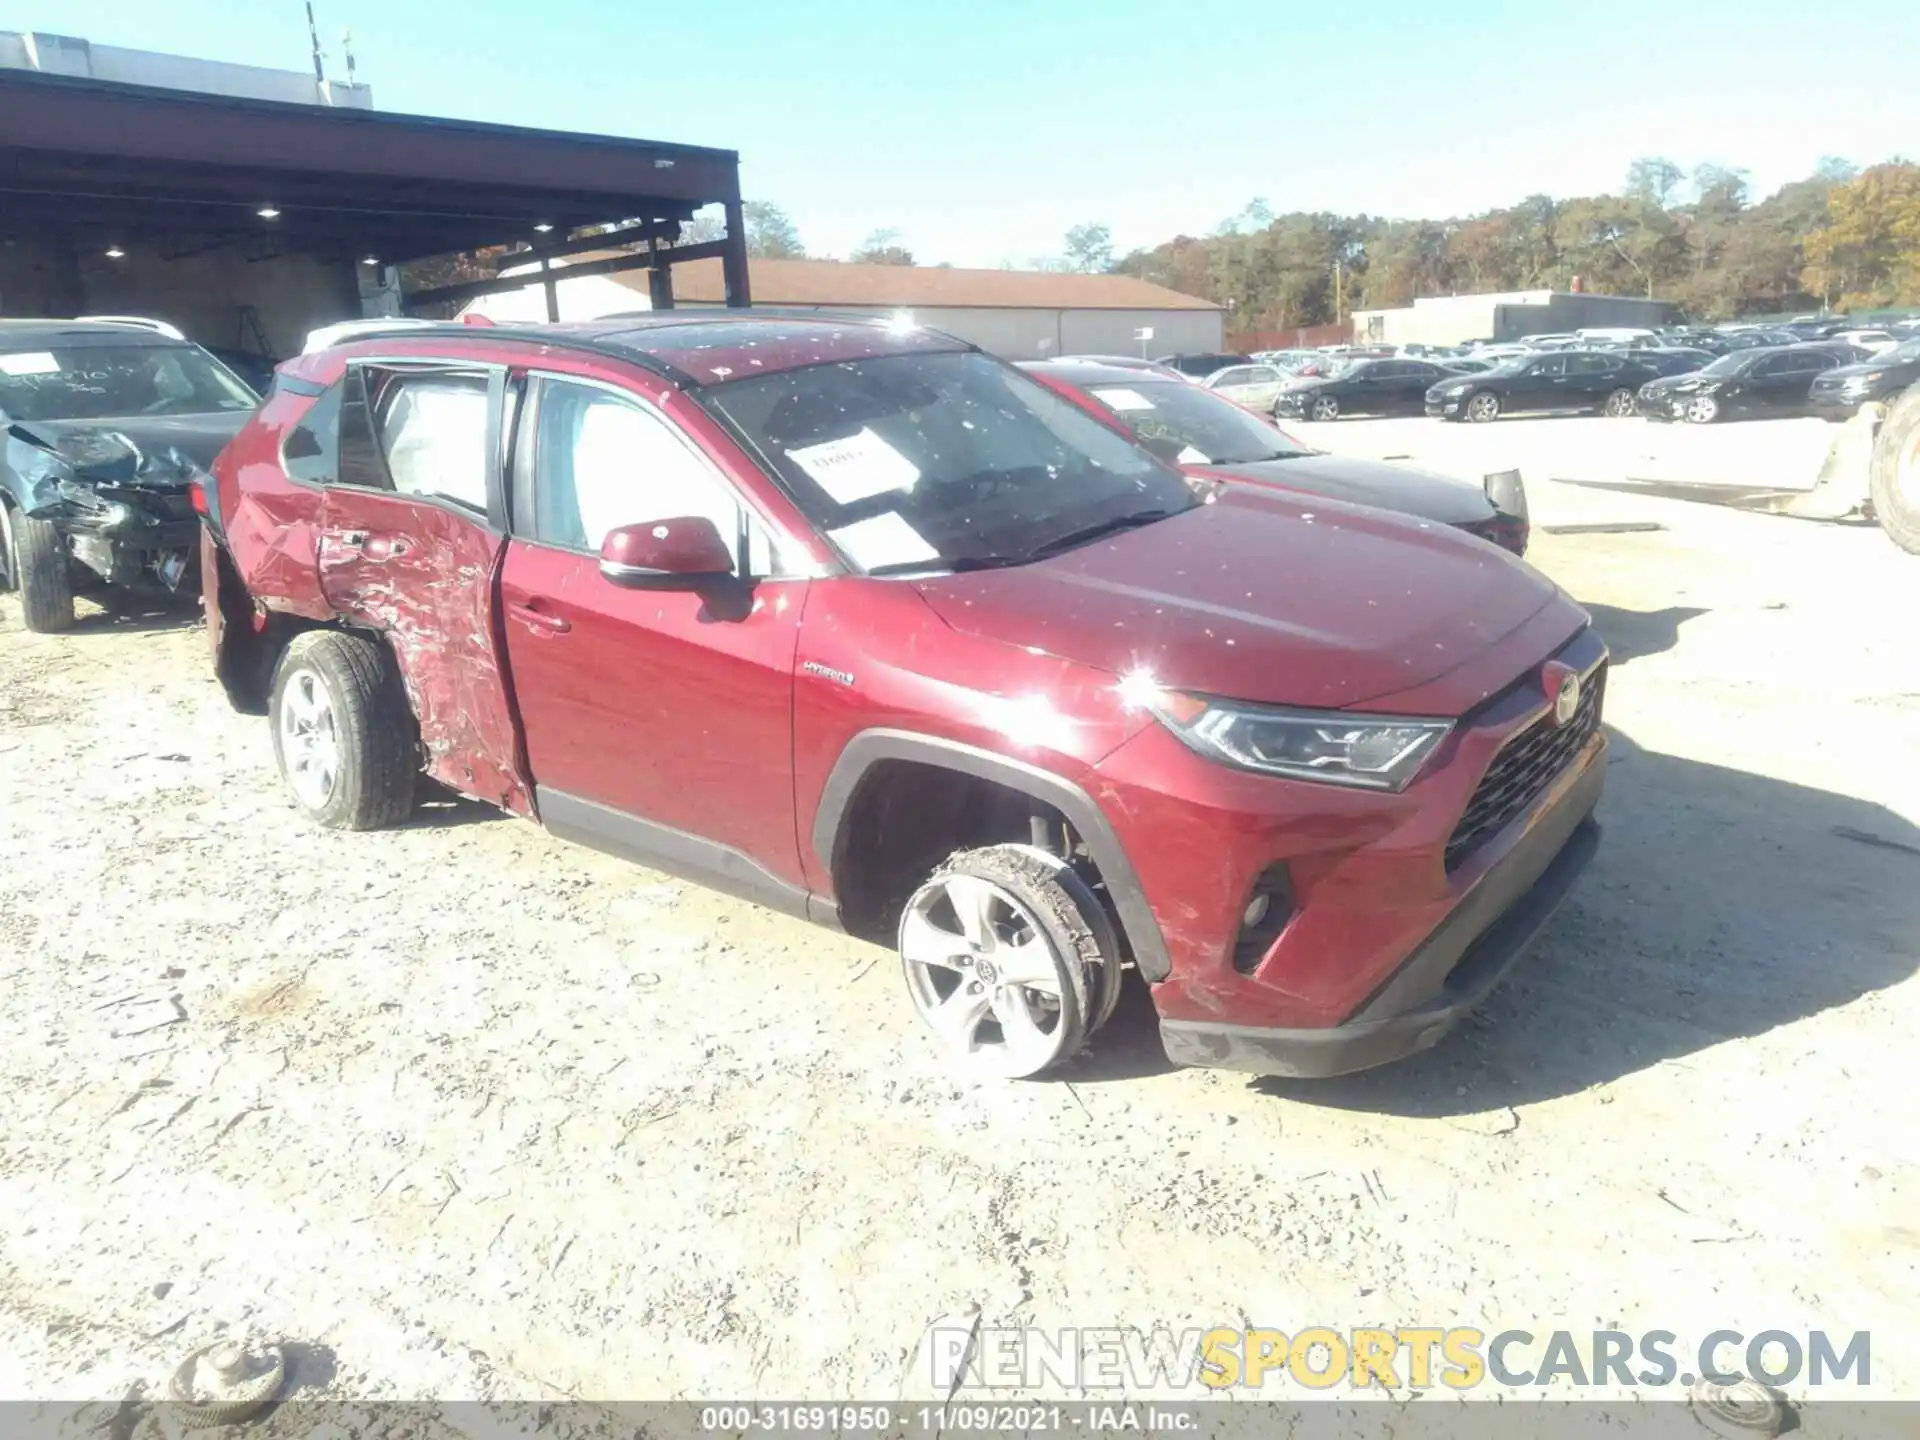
{"points": [[1666, 362], [1567, 341], [105, 426], [1254, 386], [1608, 336], [1125, 362], [1773, 381], [1569, 380], [1199, 367], [864, 624], [1208, 436], [1367, 387], [1877, 342], [1839, 393]]}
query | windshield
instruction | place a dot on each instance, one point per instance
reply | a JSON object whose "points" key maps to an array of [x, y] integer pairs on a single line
{"points": [[1905, 350], [1191, 426], [926, 462], [98, 382]]}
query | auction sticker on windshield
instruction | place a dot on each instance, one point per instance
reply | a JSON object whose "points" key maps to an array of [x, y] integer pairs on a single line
{"points": [[884, 540], [1124, 400], [32, 363], [857, 467]]}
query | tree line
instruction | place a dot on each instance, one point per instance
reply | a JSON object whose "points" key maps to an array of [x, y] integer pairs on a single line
{"points": [[1841, 239]]}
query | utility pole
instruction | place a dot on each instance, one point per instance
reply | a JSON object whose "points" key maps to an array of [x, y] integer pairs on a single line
{"points": [[1339, 294]]}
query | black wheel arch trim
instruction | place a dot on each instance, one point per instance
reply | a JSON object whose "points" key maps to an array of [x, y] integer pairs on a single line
{"points": [[875, 747]]}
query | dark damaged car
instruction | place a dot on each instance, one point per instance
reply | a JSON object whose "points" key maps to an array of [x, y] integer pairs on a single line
{"points": [[106, 429], [866, 625]]}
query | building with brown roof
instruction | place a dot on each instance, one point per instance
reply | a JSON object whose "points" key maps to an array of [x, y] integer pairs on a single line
{"points": [[1018, 314]]}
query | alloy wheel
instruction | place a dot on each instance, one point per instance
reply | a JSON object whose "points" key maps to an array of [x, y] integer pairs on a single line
{"points": [[1620, 404], [984, 977], [309, 739], [1702, 409], [1326, 408], [1483, 407]]}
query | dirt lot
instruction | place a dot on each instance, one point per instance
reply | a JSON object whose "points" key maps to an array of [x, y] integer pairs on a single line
{"points": [[476, 1114]]}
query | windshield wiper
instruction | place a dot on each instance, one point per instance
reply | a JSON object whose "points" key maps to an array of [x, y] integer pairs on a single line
{"points": [[1088, 533]]}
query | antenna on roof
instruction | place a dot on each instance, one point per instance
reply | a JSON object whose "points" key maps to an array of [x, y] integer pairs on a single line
{"points": [[346, 49], [319, 67]]}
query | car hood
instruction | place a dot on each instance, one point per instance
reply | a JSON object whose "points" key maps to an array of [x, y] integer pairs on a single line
{"points": [[1895, 369], [196, 437], [1424, 493], [1278, 599]]}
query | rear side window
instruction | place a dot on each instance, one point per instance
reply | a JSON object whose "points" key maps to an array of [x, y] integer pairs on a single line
{"points": [[311, 451], [433, 436]]}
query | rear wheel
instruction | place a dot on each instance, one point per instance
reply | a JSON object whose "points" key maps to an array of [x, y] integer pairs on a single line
{"points": [[1324, 407], [1619, 404], [1009, 959], [37, 566], [1894, 477], [342, 731], [1482, 407]]}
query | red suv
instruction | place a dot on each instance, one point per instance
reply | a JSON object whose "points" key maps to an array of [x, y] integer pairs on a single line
{"points": [[856, 621]]}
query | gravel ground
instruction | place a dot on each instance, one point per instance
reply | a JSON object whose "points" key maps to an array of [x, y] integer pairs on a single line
{"points": [[470, 1113]]}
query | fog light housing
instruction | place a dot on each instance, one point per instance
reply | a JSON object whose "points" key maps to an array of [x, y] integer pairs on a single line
{"points": [[1269, 906]]}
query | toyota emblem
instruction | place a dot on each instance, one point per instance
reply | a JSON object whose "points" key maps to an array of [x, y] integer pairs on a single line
{"points": [[1562, 684]]}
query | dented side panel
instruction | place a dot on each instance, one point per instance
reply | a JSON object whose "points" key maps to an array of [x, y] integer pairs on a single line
{"points": [[272, 523], [424, 577]]}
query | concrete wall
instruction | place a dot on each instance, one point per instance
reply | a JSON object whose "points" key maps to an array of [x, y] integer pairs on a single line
{"points": [[207, 295], [70, 55], [1013, 334]]}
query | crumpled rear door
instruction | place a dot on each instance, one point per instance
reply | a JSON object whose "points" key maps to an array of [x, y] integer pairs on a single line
{"points": [[410, 546]]}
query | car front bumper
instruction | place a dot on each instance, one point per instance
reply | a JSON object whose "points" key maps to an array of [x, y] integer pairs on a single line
{"points": [[1450, 973], [1444, 409]]}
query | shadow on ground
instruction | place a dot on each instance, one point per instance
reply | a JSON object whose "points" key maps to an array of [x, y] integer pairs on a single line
{"points": [[1630, 634], [132, 615], [1722, 905], [435, 807]]}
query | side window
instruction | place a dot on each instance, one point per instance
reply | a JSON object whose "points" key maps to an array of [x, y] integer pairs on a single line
{"points": [[433, 434], [1264, 375], [360, 462], [1586, 365], [1238, 376], [1770, 366], [601, 462], [311, 451], [1553, 365]]}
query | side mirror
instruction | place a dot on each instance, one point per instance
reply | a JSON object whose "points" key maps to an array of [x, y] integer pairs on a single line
{"points": [[674, 554]]}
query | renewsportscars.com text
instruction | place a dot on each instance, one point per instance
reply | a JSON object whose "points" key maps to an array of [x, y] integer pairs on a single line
{"points": [[1456, 1357]]}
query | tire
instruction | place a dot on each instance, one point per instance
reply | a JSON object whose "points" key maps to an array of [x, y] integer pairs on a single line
{"points": [[1702, 410], [1894, 474], [37, 567], [971, 917], [1324, 408], [344, 736], [1619, 405], [1482, 407]]}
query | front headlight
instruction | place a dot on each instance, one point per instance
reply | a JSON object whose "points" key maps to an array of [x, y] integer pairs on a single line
{"points": [[1373, 752], [1861, 382]]}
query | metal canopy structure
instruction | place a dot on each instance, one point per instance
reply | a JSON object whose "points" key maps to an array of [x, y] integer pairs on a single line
{"points": [[103, 164]]}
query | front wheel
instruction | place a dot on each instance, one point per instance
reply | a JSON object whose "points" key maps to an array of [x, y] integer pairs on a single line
{"points": [[1894, 476], [37, 566], [343, 733], [1009, 959], [1702, 410], [1619, 404], [1325, 407], [1483, 407]]}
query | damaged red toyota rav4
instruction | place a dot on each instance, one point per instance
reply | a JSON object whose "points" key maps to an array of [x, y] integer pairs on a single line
{"points": [[856, 621]]}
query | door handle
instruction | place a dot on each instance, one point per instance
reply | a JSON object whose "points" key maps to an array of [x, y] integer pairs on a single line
{"points": [[538, 622]]}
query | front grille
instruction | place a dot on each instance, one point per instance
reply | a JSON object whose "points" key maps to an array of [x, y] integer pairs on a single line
{"points": [[1523, 768]]}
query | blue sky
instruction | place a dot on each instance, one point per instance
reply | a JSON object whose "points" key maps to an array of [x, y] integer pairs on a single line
{"points": [[982, 129]]}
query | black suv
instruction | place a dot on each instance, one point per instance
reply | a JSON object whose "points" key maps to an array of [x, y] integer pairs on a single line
{"points": [[105, 428]]}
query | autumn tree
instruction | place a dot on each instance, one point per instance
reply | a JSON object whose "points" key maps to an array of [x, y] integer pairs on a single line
{"points": [[1090, 248], [771, 235], [883, 247]]}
